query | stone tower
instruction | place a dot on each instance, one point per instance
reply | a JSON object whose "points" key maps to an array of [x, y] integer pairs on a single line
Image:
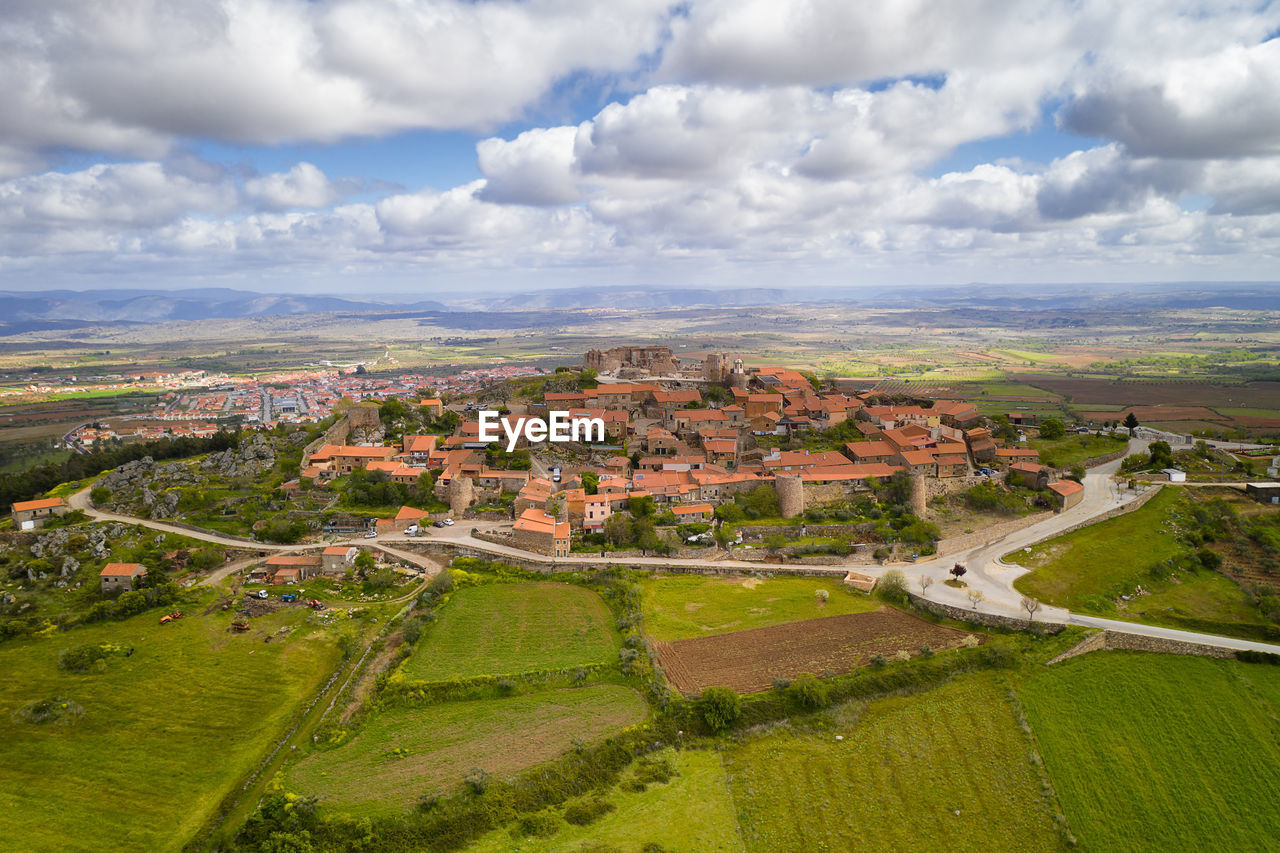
{"points": [[790, 489], [461, 495], [738, 376], [917, 495]]}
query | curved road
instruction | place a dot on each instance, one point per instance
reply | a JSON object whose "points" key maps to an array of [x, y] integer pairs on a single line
{"points": [[986, 573]]}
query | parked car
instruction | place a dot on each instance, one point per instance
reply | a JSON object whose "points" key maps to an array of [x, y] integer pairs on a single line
{"points": [[372, 534], [438, 524], [411, 530], [448, 522]]}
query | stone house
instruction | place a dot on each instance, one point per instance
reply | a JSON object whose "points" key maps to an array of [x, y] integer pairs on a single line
{"points": [[540, 533], [336, 559], [28, 515], [120, 577]]}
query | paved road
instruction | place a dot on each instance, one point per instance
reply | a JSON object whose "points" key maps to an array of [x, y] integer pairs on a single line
{"points": [[987, 573], [1171, 633]]}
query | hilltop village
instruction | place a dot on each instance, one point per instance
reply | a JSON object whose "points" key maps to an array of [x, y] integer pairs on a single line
{"points": [[680, 443]]}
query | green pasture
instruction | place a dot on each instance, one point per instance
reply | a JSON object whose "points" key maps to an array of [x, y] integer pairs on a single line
{"points": [[506, 629], [680, 606]]}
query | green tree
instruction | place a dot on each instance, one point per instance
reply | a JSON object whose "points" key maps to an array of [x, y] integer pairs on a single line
{"points": [[642, 506], [366, 562], [1131, 421], [720, 707], [1052, 428], [590, 482]]}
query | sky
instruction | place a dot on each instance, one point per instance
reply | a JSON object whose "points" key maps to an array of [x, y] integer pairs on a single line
{"points": [[442, 147]]}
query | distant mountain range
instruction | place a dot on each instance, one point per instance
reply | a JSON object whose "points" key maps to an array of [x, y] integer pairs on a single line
{"points": [[70, 309]]}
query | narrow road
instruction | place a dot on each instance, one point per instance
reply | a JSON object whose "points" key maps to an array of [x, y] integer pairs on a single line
{"points": [[986, 572]]}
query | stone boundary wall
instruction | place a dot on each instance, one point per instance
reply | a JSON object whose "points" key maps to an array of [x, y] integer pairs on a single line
{"points": [[811, 529], [336, 434], [1095, 461], [936, 486], [986, 535], [1124, 641], [991, 620]]}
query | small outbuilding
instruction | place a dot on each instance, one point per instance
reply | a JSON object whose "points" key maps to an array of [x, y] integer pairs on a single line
{"points": [[1175, 475], [1266, 493]]}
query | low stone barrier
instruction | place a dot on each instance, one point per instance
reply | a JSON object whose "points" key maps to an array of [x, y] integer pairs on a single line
{"points": [[1125, 641], [987, 535], [991, 620]]}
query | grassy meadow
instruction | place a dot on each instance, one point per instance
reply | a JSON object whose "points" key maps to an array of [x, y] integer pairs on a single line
{"points": [[439, 744], [945, 769], [510, 628], [681, 606], [1152, 752], [1074, 449], [163, 734], [1089, 569]]}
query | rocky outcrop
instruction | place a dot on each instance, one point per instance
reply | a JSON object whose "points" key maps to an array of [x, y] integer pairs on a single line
{"points": [[250, 459]]}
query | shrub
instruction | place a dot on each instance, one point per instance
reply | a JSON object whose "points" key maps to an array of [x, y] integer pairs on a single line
{"points": [[892, 587], [879, 661], [587, 812], [82, 658], [720, 707], [809, 691], [477, 780], [822, 595], [538, 825], [1209, 559]]}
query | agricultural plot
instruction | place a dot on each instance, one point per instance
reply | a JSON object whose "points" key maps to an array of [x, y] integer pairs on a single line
{"points": [[1154, 752], [678, 607], [510, 628], [945, 770], [141, 753], [692, 811], [749, 661], [400, 754]]}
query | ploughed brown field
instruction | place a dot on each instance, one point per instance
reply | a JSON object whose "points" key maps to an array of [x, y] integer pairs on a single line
{"points": [[748, 661], [1083, 391]]}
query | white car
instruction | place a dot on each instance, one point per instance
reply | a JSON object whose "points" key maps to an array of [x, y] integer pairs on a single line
{"points": [[448, 522], [372, 534], [411, 530]]}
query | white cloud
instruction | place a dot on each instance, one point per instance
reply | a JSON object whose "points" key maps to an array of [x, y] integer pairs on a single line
{"points": [[1221, 105], [302, 186], [534, 168], [133, 75]]}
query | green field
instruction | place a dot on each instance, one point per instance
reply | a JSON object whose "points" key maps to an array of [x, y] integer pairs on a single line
{"points": [[1087, 570], [445, 741], [1151, 752], [680, 606], [510, 628], [947, 769], [165, 733], [1074, 449], [693, 811]]}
